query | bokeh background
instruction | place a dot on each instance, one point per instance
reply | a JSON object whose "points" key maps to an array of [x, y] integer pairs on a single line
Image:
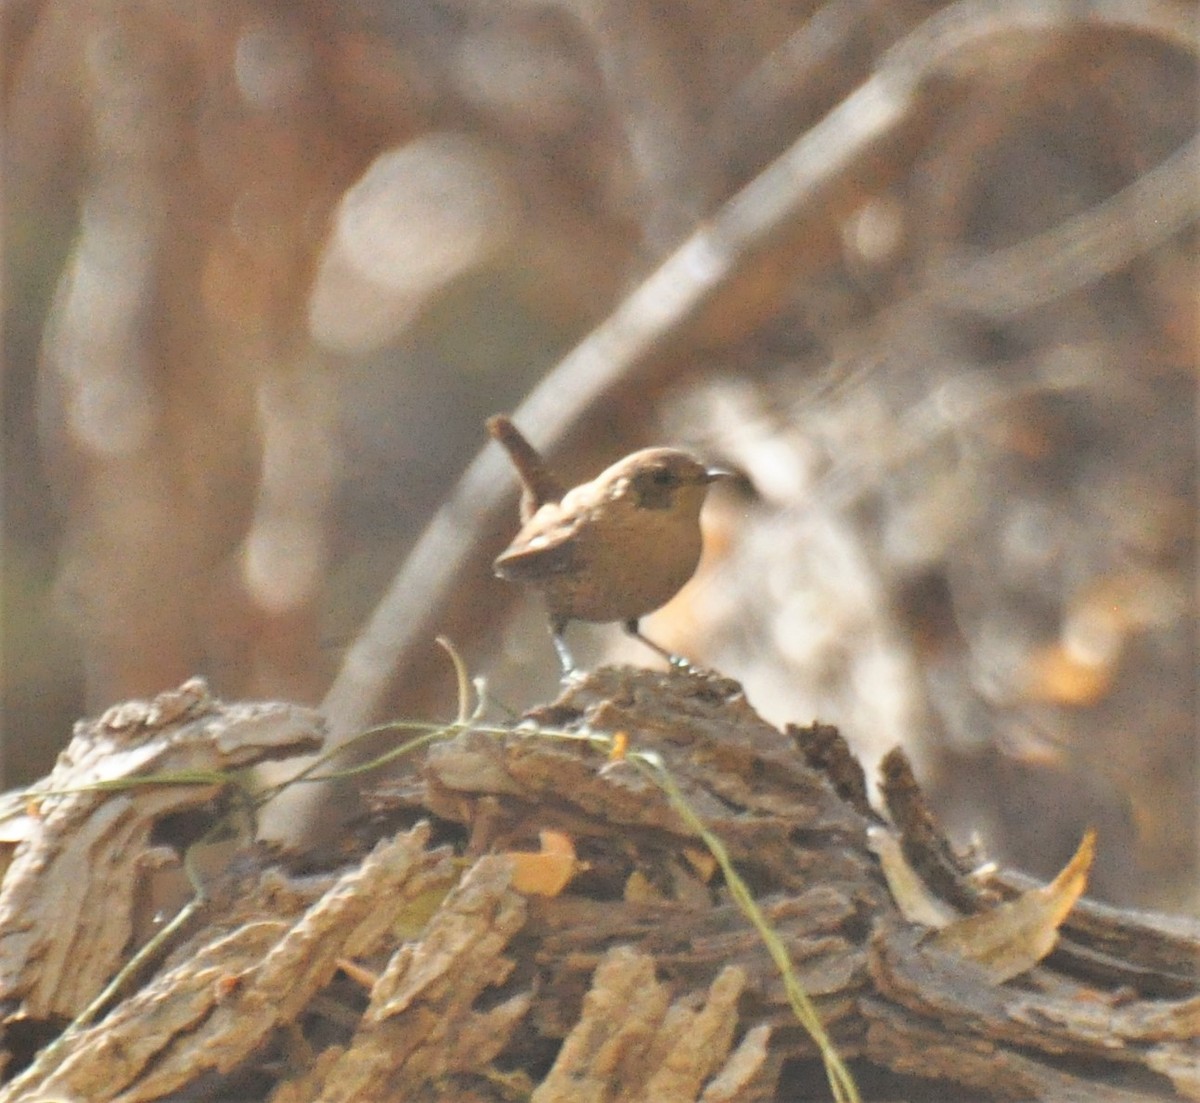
{"points": [[269, 266]]}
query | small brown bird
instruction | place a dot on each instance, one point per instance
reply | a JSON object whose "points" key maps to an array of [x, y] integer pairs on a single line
{"points": [[612, 549]]}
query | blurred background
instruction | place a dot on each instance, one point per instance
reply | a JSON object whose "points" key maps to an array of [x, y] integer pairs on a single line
{"points": [[269, 266]]}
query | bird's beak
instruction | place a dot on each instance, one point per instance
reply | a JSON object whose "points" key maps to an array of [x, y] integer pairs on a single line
{"points": [[712, 474]]}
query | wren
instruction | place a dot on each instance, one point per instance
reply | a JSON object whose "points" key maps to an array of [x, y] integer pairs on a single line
{"points": [[613, 549]]}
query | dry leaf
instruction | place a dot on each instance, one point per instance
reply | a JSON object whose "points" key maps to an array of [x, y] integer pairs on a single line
{"points": [[702, 862], [1013, 937], [545, 872], [916, 903], [640, 890]]}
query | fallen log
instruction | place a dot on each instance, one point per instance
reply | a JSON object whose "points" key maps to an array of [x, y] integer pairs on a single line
{"points": [[531, 912]]}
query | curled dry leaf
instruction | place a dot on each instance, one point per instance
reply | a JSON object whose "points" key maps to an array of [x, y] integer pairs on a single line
{"points": [[1013, 937]]}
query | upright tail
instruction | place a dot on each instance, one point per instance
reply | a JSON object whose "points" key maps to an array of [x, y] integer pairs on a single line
{"points": [[538, 483]]}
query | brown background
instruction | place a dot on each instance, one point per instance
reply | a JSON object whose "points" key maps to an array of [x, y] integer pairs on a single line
{"points": [[268, 267]]}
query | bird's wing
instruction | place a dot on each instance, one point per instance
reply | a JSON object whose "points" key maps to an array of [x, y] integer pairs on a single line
{"points": [[542, 549]]}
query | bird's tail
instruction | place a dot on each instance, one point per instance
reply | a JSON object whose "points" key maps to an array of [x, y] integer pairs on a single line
{"points": [[540, 485]]}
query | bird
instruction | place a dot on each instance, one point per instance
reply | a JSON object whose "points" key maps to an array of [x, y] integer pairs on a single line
{"points": [[612, 549]]}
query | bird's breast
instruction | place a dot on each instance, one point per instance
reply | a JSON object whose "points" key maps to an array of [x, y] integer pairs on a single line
{"points": [[627, 568]]}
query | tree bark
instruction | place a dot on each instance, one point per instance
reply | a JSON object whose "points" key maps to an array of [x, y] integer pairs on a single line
{"points": [[433, 961]]}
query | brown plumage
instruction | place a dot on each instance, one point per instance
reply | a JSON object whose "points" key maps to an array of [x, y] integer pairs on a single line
{"points": [[612, 549], [538, 485]]}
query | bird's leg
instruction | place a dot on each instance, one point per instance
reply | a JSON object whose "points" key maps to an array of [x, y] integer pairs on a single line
{"points": [[558, 627], [678, 662]]}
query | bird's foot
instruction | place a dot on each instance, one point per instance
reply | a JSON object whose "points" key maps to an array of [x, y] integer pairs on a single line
{"points": [[572, 677], [675, 662]]}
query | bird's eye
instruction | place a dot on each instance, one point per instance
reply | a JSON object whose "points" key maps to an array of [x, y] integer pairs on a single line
{"points": [[655, 487]]}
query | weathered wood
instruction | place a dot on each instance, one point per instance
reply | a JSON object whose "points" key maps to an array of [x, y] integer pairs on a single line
{"points": [[82, 839], [642, 980], [632, 1042]]}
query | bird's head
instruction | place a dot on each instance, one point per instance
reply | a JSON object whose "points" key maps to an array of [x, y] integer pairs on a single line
{"points": [[662, 479]]}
